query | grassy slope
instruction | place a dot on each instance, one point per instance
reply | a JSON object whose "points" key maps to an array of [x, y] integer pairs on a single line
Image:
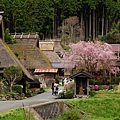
{"points": [[103, 106], [16, 114]]}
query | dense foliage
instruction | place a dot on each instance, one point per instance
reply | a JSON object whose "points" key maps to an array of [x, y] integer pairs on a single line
{"points": [[45, 16], [17, 88]]}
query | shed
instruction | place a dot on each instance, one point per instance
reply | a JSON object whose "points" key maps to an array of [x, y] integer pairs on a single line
{"points": [[81, 83]]}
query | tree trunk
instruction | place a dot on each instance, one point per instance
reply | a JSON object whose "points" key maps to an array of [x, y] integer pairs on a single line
{"points": [[82, 35], [106, 25], [93, 25], [103, 22], [11, 87], [90, 26], [96, 25], [87, 30]]}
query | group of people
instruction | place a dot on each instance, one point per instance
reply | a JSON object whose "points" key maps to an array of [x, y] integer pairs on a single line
{"points": [[65, 80], [54, 88]]}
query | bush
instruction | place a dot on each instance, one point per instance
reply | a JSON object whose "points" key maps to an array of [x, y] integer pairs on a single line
{"points": [[30, 93], [42, 90], [61, 95], [8, 37], [17, 88], [69, 94], [92, 93]]}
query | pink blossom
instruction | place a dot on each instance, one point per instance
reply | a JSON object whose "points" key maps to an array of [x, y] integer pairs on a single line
{"points": [[90, 56]]}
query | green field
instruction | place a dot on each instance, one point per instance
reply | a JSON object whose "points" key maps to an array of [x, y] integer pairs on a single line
{"points": [[105, 105]]}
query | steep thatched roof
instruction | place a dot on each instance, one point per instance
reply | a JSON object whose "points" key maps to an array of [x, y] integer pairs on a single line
{"points": [[7, 58], [53, 57], [31, 56]]}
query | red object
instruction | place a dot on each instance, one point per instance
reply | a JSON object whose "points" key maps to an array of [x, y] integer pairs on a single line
{"points": [[81, 89]]}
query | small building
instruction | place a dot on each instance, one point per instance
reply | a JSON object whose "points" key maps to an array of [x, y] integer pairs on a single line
{"points": [[46, 76], [81, 83]]}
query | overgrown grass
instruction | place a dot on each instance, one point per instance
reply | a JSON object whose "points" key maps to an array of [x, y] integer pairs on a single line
{"points": [[105, 105], [16, 114]]}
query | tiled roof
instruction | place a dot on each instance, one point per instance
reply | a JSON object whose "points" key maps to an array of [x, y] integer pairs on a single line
{"points": [[45, 70]]}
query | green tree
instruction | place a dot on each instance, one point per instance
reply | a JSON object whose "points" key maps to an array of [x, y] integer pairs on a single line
{"points": [[12, 74], [8, 37]]}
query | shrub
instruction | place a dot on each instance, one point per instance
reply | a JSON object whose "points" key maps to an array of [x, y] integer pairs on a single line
{"points": [[17, 88], [92, 93], [69, 94], [8, 37], [29, 93], [42, 90], [61, 95]]}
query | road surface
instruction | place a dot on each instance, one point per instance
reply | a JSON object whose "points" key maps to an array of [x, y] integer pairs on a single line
{"points": [[40, 98]]}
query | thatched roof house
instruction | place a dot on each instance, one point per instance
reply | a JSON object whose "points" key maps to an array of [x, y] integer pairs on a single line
{"points": [[7, 59]]}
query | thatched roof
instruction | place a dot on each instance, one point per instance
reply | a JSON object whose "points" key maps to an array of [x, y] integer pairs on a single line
{"points": [[7, 58], [31, 56], [52, 56]]}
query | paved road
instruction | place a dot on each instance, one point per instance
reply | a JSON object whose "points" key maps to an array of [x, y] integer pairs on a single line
{"points": [[40, 98]]}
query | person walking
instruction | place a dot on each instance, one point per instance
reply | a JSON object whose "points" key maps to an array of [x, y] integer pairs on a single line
{"points": [[63, 81], [53, 87]]}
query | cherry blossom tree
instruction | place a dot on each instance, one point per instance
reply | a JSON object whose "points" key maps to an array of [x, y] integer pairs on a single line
{"points": [[91, 57]]}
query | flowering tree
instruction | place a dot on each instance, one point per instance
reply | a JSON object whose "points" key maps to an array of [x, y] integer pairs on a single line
{"points": [[90, 57]]}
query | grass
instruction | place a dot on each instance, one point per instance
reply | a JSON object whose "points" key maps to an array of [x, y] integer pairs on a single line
{"points": [[105, 105], [16, 114]]}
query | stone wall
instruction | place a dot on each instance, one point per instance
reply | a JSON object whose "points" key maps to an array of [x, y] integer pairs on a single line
{"points": [[49, 110]]}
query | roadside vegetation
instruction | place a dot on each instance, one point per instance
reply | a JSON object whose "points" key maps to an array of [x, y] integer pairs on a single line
{"points": [[16, 114]]}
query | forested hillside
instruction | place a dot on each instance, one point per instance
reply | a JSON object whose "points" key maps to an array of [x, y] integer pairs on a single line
{"points": [[84, 19]]}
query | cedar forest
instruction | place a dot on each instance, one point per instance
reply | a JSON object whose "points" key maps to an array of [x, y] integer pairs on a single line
{"points": [[70, 20]]}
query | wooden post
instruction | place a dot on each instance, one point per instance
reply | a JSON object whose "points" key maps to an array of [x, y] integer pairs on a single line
{"points": [[74, 87], [87, 87], [2, 25]]}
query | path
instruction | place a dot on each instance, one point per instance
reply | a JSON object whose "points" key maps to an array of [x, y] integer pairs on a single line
{"points": [[44, 97]]}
